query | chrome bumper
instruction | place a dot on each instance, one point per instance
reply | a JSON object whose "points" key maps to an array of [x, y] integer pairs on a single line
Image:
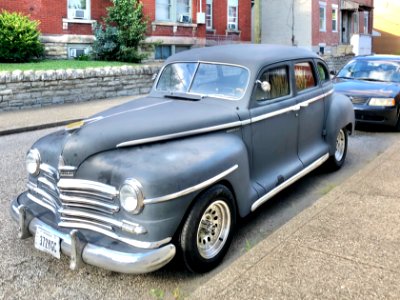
{"points": [[78, 251]]}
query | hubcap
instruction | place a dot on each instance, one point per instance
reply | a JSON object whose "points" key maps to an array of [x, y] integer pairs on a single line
{"points": [[213, 229], [340, 145]]}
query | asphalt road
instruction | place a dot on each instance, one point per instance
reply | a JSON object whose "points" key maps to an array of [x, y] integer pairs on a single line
{"points": [[26, 273]]}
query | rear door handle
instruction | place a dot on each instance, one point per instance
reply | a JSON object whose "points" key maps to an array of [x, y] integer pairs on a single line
{"points": [[296, 108], [304, 104]]}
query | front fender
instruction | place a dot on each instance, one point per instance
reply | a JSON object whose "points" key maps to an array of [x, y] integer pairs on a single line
{"points": [[340, 114], [170, 167]]}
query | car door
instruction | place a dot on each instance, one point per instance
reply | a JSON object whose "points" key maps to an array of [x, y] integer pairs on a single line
{"points": [[310, 97], [274, 125]]}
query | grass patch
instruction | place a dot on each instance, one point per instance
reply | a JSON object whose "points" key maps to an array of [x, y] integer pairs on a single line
{"points": [[327, 189], [61, 64]]}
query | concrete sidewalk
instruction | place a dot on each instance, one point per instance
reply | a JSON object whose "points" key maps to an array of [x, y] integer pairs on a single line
{"points": [[346, 246], [56, 115]]}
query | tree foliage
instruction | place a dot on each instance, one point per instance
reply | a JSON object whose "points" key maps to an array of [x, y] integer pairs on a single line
{"points": [[19, 38], [124, 29]]}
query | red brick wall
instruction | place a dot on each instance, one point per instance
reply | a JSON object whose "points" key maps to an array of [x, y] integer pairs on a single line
{"points": [[220, 18], [328, 37], [51, 12]]}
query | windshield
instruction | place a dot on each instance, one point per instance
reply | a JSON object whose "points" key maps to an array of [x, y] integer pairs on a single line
{"points": [[206, 79], [374, 70]]}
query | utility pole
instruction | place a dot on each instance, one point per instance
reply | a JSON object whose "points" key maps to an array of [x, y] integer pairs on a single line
{"points": [[257, 21]]}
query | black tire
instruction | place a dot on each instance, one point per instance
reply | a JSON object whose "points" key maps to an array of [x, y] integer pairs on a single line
{"points": [[203, 245], [336, 161], [397, 127]]}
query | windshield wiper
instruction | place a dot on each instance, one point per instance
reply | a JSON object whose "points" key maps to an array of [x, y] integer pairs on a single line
{"points": [[184, 96], [370, 79]]}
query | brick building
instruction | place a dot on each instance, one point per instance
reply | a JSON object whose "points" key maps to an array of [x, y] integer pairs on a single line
{"points": [[325, 26], [66, 25]]}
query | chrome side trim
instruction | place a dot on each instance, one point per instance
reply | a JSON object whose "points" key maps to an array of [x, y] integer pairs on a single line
{"points": [[191, 189], [179, 134], [288, 182], [222, 126], [87, 185]]}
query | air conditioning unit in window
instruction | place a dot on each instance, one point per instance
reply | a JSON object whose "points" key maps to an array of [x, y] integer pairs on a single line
{"points": [[232, 26], [184, 19], [79, 14], [73, 52]]}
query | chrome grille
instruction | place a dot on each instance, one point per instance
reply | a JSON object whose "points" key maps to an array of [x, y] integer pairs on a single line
{"points": [[359, 99], [83, 203]]}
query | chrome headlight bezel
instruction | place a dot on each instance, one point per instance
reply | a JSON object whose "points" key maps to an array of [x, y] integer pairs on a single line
{"points": [[32, 162], [131, 196], [376, 101]]}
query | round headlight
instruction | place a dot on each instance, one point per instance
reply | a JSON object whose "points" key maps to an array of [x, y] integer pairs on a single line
{"points": [[32, 162], [131, 196]]}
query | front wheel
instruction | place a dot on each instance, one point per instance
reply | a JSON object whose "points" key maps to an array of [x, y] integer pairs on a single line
{"points": [[336, 161], [207, 231]]}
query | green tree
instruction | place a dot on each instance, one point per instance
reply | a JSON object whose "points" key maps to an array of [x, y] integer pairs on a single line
{"points": [[123, 31], [19, 38]]}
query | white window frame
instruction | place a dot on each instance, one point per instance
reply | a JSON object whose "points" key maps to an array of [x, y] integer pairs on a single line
{"points": [[322, 26], [173, 13], [366, 22], [71, 10], [356, 22], [336, 20], [232, 25], [209, 17]]}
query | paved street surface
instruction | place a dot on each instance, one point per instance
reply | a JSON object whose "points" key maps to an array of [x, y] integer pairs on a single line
{"points": [[331, 235]]}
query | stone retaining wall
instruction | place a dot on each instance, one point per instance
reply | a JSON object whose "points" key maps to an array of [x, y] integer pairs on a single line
{"points": [[31, 89], [335, 63]]}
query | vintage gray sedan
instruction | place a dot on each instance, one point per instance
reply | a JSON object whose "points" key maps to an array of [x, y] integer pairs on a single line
{"points": [[223, 130]]}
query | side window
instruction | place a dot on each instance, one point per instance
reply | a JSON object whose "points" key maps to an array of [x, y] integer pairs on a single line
{"points": [[304, 76], [274, 83], [323, 72]]}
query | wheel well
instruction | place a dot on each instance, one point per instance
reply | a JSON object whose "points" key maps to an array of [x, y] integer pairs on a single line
{"points": [[349, 128], [225, 183]]}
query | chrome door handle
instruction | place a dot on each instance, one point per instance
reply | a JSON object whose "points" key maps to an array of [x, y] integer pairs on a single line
{"points": [[296, 108], [305, 104]]}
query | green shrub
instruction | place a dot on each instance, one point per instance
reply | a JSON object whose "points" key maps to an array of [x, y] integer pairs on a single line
{"points": [[19, 38], [125, 28]]}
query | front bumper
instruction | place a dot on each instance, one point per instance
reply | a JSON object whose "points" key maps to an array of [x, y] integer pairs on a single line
{"points": [[376, 115], [73, 246]]}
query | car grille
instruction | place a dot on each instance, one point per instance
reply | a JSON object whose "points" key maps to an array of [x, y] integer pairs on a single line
{"points": [[359, 99], [75, 203]]}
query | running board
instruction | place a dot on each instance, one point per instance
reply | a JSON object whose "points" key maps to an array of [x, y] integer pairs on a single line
{"points": [[288, 182]]}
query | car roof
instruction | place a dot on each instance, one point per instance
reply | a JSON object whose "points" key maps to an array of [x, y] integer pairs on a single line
{"points": [[252, 56]]}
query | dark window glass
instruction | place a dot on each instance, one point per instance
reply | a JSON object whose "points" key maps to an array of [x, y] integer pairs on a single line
{"points": [[304, 76], [163, 52], [323, 72], [274, 83]]}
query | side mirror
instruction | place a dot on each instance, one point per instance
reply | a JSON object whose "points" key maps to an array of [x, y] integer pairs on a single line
{"points": [[333, 72], [265, 85]]}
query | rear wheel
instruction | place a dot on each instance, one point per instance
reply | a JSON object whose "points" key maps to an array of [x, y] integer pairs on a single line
{"points": [[336, 161], [207, 231], [397, 127]]}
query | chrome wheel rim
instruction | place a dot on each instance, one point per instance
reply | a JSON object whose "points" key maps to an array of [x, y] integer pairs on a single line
{"points": [[340, 145], [213, 230]]}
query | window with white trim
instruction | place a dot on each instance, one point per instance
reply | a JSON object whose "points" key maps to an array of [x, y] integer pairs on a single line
{"points": [[233, 14], [79, 9], [366, 22], [173, 10], [356, 24], [334, 18], [322, 16], [209, 14]]}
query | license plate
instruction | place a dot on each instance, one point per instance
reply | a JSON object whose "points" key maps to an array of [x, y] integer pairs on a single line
{"points": [[47, 242]]}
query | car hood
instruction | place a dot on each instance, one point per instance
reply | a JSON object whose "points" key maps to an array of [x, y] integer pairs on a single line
{"points": [[143, 121], [366, 88]]}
